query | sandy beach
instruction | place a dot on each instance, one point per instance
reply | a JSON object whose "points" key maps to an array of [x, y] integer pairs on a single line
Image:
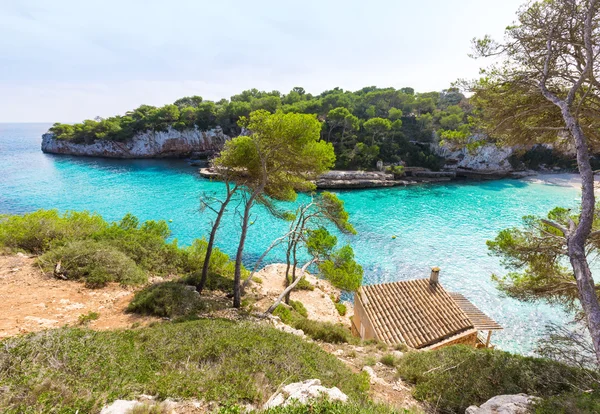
{"points": [[560, 179]]}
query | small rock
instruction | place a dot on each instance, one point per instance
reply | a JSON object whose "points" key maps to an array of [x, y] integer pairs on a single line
{"points": [[19, 254], [338, 352], [504, 404], [303, 392], [120, 407], [398, 354]]}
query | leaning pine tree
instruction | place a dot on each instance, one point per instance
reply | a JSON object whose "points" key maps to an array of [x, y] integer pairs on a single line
{"points": [[546, 89], [281, 155]]}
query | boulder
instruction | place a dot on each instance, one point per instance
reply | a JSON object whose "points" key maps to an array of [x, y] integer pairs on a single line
{"points": [[504, 404], [303, 392]]}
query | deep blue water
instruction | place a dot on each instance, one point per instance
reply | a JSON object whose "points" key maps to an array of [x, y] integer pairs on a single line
{"points": [[436, 225]]}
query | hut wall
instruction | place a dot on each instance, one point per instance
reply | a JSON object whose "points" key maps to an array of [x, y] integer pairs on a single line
{"points": [[360, 317], [469, 338]]}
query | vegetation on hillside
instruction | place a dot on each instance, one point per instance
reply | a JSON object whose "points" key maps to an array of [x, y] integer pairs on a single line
{"points": [[66, 370], [364, 126], [320, 331], [93, 250], [456, 377]]}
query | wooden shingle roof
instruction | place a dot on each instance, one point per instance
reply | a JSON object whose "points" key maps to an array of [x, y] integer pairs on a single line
{"points": [[480, 320], [414, 312]]}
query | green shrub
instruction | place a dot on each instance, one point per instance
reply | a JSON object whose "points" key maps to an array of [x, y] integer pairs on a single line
{"points": [[66, 370], [569, 403], [86, 318], [388, 359], [341, 308], [299, 307], [324, 331], [401, 347], [145, 244], [304, 284], [370, 361], [287, 315], [95, 263], [166, 299], [335, 407], [456, 377], [39, 231]]}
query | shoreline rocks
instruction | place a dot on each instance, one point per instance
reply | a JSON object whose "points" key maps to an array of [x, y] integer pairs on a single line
{"points": [[150, 144]]}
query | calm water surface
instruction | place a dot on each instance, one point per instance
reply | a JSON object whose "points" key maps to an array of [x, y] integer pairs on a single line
{"points": [[436, 225]]}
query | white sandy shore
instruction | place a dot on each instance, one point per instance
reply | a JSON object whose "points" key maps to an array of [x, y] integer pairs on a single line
{"points": [[560, 179]]}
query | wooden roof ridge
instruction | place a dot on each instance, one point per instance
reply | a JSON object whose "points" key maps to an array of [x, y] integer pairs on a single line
{"points": [[479, 319]]}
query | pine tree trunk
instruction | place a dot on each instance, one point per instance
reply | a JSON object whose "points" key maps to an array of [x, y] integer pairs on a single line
{"points": [[237, 277], [211, 241], [576, 240]]}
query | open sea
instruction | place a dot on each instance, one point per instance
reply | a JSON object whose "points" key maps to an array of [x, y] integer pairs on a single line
{"points": [[443, 225]]}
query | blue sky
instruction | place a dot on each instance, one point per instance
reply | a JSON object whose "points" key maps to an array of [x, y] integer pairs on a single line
{"points": [[66, 60]]}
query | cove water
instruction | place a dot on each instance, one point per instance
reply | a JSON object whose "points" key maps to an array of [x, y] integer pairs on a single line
{"points": [[443, 225]]}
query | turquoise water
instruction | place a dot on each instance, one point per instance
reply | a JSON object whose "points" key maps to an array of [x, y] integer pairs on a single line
{"points": [[436, 225]]}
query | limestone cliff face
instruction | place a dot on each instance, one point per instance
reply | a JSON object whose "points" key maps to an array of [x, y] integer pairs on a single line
{"points": [[488, 157], [149, 144]]}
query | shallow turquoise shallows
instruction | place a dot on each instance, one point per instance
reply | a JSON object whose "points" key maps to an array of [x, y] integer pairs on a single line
{"points": [[435, 225]]}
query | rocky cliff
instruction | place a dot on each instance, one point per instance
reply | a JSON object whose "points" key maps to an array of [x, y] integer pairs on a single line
{"points": [[168, 144], [488, 157]]}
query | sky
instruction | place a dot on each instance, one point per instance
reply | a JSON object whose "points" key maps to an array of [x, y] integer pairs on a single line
{"points": [[69, 60]]}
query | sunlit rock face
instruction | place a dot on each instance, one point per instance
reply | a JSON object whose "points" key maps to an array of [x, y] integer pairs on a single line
{"points": [[164, 144]]}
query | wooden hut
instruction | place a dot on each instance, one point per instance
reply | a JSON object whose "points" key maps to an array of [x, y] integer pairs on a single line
{"points": [[421, 314]]}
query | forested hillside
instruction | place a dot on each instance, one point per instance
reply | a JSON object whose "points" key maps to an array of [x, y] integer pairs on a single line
{"points": [[364, 126]]}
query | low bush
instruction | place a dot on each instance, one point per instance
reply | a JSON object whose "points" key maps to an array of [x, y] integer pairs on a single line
{"points": [[41, 230], [569, 403], [304, 284], [127, 247], [95, 263], [336, 407], [167, 299], [388, 360], [86, 318], [341, 308], [299, 307], [320, 331], [456, 377], [72, 369], [284, 313], [325, 331]]}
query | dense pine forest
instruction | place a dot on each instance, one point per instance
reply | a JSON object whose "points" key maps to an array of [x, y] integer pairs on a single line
{"points": [[371, 124]]}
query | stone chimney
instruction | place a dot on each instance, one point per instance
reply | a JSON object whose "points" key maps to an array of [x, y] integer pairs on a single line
{"points": [[435, 275]]}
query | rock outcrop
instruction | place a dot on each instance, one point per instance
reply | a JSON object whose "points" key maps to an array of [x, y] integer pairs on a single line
{"points": [[303, 392], [487, 161], [355, 179], [504, 404], [167, 144]]}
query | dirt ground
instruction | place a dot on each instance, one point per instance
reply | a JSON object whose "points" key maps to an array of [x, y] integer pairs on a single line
{"points": [[317, 302], [31, 301]]}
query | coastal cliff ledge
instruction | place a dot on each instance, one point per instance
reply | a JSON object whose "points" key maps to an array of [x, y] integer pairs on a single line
{"points": [[171, 143]]}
